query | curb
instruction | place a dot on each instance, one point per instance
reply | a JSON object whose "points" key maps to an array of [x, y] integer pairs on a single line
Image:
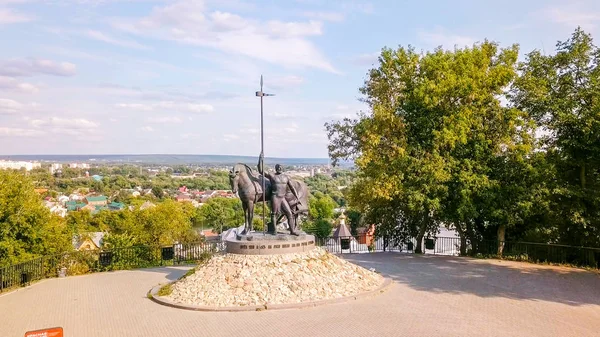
{"points": [[163, 301]]}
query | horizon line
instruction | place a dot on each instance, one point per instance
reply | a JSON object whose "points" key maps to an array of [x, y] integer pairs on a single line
{"points": [[157, 154]]}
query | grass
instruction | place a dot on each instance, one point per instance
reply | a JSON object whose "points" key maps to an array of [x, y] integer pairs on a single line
{"points": [[165, 290], [188, 273]]}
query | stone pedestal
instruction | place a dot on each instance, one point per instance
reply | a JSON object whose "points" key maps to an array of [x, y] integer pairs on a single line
{"points": [[268, 244]]}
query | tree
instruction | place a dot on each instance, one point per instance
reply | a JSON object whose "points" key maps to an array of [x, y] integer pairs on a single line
{"points": [[560, 92], [321, 228], [434, 123], [321, 206], [27, 229], [164, 224], [158, 192], [354, 219], [221, 213]]}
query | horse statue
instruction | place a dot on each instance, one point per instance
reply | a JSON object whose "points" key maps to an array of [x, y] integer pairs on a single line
{"points": [[248, 186]]}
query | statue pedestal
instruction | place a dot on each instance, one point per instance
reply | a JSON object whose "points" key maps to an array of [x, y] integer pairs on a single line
{"points": [[268, 244]]}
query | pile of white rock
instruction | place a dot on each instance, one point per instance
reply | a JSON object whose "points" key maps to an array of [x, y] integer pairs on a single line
{"points": [[242, 280]]}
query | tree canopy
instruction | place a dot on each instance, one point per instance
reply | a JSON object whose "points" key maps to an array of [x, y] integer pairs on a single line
{"points": [[449, 138]]}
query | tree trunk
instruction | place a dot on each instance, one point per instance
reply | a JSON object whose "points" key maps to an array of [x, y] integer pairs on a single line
{"points": [[419, 247], [501, 239], [463, 239], [582, 175], [471, 237]]}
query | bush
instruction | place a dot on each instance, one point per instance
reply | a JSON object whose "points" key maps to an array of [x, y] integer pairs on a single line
{"points": [[320, 228]]}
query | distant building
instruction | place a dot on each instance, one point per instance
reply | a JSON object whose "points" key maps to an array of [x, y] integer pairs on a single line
{"points": [[62, 199], [116, 206], [79, 165], [99, 200], [17, 165], [88, 241], [182, 197], [74, 205], [54, 167], [146, 205]]}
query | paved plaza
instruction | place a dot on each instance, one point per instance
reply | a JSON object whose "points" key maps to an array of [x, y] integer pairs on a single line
{"points": [[431, 296]]}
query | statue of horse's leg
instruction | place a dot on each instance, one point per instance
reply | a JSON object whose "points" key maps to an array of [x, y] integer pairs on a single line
{"points": [[250, 212], [245, 208]]}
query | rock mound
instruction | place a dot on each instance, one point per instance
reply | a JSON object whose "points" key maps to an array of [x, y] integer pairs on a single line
{"points": [[242, 280]]}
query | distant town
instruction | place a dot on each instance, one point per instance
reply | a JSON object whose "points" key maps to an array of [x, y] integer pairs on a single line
{"points": [[107, 185]]}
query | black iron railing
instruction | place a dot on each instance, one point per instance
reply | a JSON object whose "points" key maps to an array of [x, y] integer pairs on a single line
{"points": [[82, 262], [522, 251]]}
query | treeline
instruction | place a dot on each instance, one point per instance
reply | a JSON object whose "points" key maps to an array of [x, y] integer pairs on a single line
{"points": [[29, 230], [115, 179], [474, 140]]}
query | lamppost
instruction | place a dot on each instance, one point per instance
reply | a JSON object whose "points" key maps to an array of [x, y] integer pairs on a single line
{"points": [[261, 94]]}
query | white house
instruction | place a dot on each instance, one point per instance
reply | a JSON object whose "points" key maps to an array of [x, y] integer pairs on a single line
{"points": [[76, 197], [62, 199]]}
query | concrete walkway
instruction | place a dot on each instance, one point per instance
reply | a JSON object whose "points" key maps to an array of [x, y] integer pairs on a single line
{"points": [[432, 296]]}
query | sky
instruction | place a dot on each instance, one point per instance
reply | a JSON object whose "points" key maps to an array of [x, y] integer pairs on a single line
{"points": [[179, 77]]}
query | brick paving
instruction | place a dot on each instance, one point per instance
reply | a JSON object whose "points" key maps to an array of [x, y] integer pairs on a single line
{"points": [[431, 296]]}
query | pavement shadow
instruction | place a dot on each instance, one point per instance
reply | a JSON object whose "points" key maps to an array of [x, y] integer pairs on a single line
{"points": [[485, 278], [171, 273]]}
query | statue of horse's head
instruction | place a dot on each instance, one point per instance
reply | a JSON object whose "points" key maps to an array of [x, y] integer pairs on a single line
{"points": [[234, 177]]}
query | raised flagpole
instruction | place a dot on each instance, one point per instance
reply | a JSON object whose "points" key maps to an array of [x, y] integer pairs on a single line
{"points": [[261, 94]]}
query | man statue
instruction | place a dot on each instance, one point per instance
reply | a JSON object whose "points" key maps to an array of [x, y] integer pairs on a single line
{"points": [[279, 185]]}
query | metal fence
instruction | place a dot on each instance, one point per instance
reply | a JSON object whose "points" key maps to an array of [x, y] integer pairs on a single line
{"points": [[82, 262], [361, 244], [522, 251]]}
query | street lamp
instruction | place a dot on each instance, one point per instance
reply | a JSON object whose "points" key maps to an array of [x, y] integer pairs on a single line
{"points": [[261, 94]]}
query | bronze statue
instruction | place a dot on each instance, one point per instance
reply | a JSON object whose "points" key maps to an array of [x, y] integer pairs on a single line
{"points": [[248, 186], [280, 183]]}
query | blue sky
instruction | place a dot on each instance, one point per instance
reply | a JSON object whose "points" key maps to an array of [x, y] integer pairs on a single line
{"points": [[178, 77]]}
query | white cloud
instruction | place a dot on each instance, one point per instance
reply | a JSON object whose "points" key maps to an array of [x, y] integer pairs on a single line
{"points": [[283, 82], [278, 42], [281, 29], [99, 36], [325, 16], [19, 132], [366, 59], [59, 124], [9, 83], [358, 6], [572, 15], [162, 120], [147, 129], [8, 106], [8, 16], [136, 106], [440, 37], [168, 106], [230, 137], [34, 66]]}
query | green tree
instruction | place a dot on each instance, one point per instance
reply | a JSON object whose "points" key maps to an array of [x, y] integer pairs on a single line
{"points": [[321, 206], [158, 192], [221, 213], [27, 229], [354, 219], [435, 121], [561, 93], [321, 228]]}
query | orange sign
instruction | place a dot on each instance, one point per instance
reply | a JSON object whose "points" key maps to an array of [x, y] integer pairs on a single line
{"points": [[52, 332]]}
